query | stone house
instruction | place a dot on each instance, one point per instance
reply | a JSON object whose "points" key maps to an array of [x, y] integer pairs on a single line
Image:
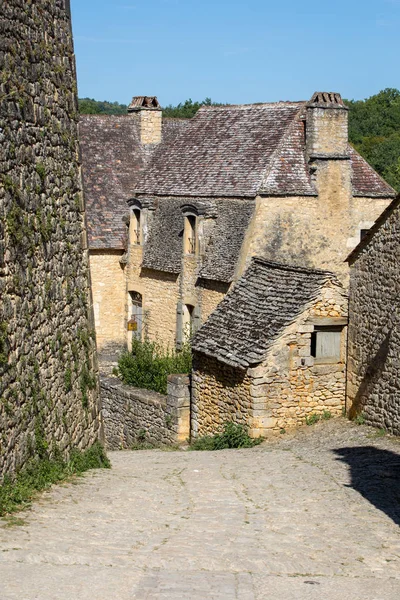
{"points": [[177, 208], [273, 352], [373, 380]]}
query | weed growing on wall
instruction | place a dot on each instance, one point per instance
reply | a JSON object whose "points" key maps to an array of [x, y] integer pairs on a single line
{"points": [[232, 436], [39, 473], [149, 364]]}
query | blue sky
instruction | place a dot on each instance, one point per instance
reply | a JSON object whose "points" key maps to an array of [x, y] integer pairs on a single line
{"points": [[236, 52]]}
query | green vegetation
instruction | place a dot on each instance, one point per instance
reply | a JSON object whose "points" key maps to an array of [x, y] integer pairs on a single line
{"points": [[187, 109], [88, 106], [149, 364], [232, 436], [374, 131], [359, 419], [312, 419], [41, 472]]}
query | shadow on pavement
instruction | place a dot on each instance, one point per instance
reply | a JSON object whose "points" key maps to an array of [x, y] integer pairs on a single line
{"points": [[375, 474]]}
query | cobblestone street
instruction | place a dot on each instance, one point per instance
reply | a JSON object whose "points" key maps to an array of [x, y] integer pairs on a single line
{"points": [[314, 515]]}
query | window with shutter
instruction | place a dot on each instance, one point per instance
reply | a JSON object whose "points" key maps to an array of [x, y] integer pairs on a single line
{"points": [[326, 343], [179, 319]]}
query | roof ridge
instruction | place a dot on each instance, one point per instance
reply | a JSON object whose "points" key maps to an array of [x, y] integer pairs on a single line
{"points": [[295, 268], [252, 105]]}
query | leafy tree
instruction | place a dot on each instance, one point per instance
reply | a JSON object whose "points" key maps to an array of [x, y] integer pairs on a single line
{"points": [[88, 106], [374, 131], [187, 109]]}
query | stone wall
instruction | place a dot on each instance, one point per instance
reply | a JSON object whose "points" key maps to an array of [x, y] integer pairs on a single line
{"points": [[48, 373], [109, 299], [373, 386], [133, 415], [289, 386], [314, 232], [150, 125], [220, 393]]}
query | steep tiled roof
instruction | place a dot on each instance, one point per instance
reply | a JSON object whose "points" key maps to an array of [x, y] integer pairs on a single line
{"points": [[112, 159], [223, 251], [265, 300], [164, 245], [288, 172], [224, 151], [366, 181], [163, 248]]}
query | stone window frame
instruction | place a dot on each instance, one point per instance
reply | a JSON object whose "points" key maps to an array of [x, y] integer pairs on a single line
{"points": [[190, 230], [135, 223]]}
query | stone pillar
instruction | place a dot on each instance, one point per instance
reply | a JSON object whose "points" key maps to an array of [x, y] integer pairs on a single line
{"points": [[178, 405]]}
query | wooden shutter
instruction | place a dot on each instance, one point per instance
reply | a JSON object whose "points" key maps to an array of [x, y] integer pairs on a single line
{"points": [[328, 343], [196, 318], [179, 316]]}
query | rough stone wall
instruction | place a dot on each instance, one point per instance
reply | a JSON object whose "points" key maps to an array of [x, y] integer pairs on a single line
{"points": [[48, 373], [373, 386], [134, 415], [291, 384], [284, 390], [220, 393], [314, 232], [109, 299]]}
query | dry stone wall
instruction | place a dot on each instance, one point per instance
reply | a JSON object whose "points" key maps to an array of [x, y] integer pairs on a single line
{"points": [[48, 375], [133, 415], [373, 386]]}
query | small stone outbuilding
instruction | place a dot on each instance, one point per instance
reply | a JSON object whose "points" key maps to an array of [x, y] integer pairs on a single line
{"points": [[273, 352], [373, 387]]}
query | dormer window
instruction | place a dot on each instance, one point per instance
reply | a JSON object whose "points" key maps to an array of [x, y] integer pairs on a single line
{"points": [[136, 227], [190, 233]]}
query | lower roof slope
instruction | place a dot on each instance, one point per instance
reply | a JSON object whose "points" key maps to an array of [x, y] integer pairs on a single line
{"points": [[265, 300]]}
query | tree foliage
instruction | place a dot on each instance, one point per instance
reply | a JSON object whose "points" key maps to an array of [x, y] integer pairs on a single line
{"points": [[88, 106], [374, 131], [187, 109]]}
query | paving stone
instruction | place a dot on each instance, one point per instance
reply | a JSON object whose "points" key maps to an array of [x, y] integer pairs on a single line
{"points": [[309, 515]]}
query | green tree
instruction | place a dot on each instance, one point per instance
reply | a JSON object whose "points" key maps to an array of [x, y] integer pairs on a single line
{"points": [[374, 131], [88, 106]]}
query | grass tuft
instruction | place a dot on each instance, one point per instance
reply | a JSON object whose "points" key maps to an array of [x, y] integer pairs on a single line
{"points": [[41, 472]]}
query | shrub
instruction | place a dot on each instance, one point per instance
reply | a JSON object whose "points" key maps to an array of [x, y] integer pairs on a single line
{"points": [[149, 364], [232, 436], [39, 473]]}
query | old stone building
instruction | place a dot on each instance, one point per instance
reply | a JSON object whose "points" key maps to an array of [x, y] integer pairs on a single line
{"points": [[273, 352], [48, 375], [203, 196], [373, 386]]}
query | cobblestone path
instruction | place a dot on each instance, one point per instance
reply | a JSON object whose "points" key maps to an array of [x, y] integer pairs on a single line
{"points": [[311, 516]]}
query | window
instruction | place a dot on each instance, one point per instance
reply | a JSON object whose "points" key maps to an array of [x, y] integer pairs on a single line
{"points": [[363, 233], [188, 320], [136, 227], [190, 235], [326, 343], [135, 316]]}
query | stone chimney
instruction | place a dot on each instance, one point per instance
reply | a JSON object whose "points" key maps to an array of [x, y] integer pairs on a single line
{"points": [[326, 126], [149, 113]]}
